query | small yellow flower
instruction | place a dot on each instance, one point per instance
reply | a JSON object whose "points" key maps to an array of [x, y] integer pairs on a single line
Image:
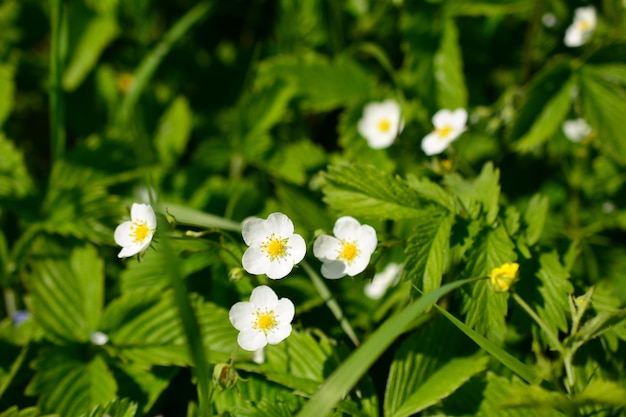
{"points": [[504, 276]]}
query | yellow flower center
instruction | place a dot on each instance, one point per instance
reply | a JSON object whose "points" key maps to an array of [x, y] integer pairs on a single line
{"points": [[384, 125], [265, 320], [348, 251], [444, 132], [139, 231], [583, 25], [275, 247], [504, 276]]}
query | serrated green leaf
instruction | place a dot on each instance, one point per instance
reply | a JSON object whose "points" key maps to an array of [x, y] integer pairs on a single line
{"points": [[604, 105], [535, 218], [598, 325], [115, 408], [484, 308], [427, 250], [68, 384], [324, 84], [602, 392], [173, 131], [363, 190], [427, 368], [553, 307], [26, 412], [7, 92], [99, 33], [535, 397], [430, 191], [67, 290], [448, 65], [487, 191], [15, 182]]}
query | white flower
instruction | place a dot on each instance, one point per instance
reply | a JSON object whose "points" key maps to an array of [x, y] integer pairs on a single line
{"points": [[448, 126], [135, 235], [258, 356], [383, 280], [583, 26], [98, 338], [273, 247], [264, 319], [381, 123], [349, 251], [576, 130], [548, 20]]}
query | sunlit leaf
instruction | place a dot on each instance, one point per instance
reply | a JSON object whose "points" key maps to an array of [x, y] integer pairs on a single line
{"points": [[451, 89], [15, 182], [555, 287], [173, 131], [7, 90], [535, 217], [115, 408]]}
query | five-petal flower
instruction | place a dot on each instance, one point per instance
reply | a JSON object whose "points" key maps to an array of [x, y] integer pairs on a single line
{"points": [[504, 276], [349, 251], [135, 235], [381, 123], [448, 126], [262, 320], [576, 130], [583, 26], [274, 248]]}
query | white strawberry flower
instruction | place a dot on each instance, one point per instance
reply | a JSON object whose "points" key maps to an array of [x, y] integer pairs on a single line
{"points": [[274, 248], [262, 320], [381, 123], [349, 251], [448, 126], [576, 130], [134, 236], [383, 280], [579, 32]]}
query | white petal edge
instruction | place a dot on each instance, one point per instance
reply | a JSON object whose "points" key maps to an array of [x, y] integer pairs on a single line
{"points": [[279, 268], [432, 145], [143, 212], [297, 248], [278, 334], [122, 234], [264, 297], [333, 270], [255, 261], [254, 231], [251, 340], [241, 315], [280, 224], [346, 228], [326, 248]]}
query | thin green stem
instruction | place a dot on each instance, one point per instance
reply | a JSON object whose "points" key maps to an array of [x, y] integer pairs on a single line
{"points": [[553, 338], [330, 301], [57, 105]]}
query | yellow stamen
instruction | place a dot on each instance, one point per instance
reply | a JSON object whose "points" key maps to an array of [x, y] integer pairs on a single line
{"points": [[265, 321], [348, 251], [139, 231], [504, 276], [583, 25], [444, 132], [384, 125], [275, 247]]}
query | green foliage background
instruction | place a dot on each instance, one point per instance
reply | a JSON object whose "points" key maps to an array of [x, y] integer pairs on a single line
{"points": [[214, 111]]}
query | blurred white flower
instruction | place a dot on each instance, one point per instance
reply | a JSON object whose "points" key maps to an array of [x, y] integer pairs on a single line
{"points": [[135, 235], [576, 130], [262, 320], [274, 248], [258, 356], [98, 338], [448, 126], [583, 26], [349, 251], [381, 123], [548, 20], [383, 280]]}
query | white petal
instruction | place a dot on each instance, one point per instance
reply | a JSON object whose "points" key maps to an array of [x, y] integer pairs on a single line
{"points": [[284, 311], [573, 37], [264, 297], [280, 224], [433, 145], [122, 234], [442, 118], [326, 248], [255, 261], [576, 130], [131, 250], [358, 264], [347, 228], [367, 239], [333, 269], [143, 212], [241, 315], [254, 231], [459, 119], [379, 140], [297, 248], [279, 268], [252, 340], [278, 334]]}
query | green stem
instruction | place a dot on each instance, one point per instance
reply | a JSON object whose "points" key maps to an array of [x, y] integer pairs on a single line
{"points": [[553, 338], [151, 62], [57, 106], [330, 301]]}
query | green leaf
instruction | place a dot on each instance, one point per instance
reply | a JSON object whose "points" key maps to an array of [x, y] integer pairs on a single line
{"points": [[544, 106], [484, 308], [363, 190], [26, 412], [430, 191], [325, 85], [68, 384], [448, 66], [427, 250], [263, 108], [602, 392], [598, 325], [426, 368], [173, 131], [7, 92], [553, 306], [145, 387], [604, 106], [292, 161], [488, 7], [477, 197], [99, 33], [115, 408], [341, 381], [535, 217], [67, 290], [15, 182]]}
